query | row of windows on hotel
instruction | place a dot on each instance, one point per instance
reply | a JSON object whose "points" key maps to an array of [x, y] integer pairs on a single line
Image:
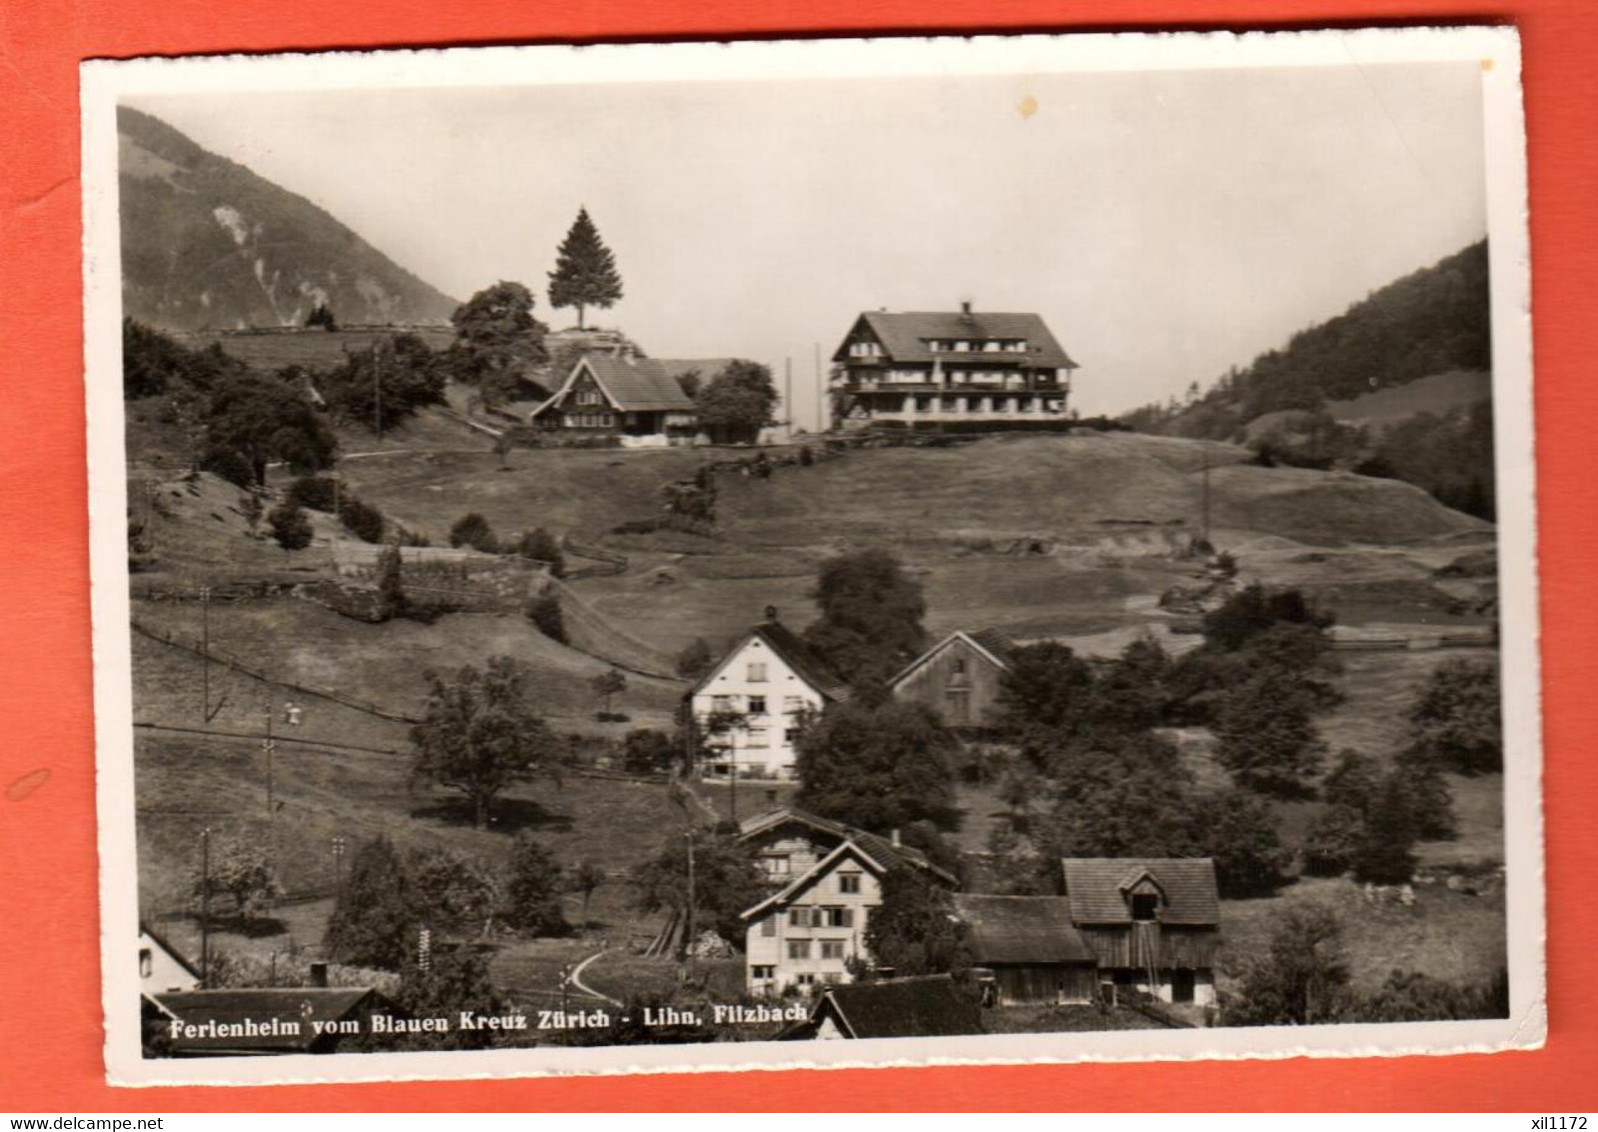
{"points": [[934, 404], [967, 378], [869, 349]]}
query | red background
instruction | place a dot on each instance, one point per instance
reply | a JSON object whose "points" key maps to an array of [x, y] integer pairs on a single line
{"points": [[50, 1018]]}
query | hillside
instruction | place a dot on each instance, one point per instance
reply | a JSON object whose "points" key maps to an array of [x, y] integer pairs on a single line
{"points": [[1434, 321], [206, 243]]}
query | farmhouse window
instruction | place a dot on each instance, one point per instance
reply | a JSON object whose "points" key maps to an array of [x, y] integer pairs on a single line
{"points": [[798, 949], [721, 703], [1145, 906], [768, 926], [834, 918], [757, 672], [959, 706], [757, 705], [775, 864], [804, 980], [792, 704], [832, 977], [849, 882], [798, 917], [958, 666], [757, 736], [762, 972], [832, 949]]}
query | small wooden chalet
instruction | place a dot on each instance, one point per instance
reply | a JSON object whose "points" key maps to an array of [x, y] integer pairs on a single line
{"points": [[1152, 923], [766, 682], [915, 367], [958, 677], [922, 1006], [635, 399], [1027, 949]]}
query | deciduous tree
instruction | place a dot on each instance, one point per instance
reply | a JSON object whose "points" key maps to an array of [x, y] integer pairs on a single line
{"points": [[876, 766], [480, 733], [871, 613]]}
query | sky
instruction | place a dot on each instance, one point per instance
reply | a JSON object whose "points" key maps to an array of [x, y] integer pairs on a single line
{"points": [[1166, 225]]}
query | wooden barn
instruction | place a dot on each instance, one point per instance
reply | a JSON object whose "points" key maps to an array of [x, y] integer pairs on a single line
{"points": [[1036, 956], [958, 677], [1153, 923]]}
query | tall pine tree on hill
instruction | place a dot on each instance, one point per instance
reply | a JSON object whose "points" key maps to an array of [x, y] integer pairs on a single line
{"points": [[585, 272]]}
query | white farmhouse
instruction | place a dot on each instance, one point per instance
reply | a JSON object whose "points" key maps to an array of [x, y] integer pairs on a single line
{"points": [[805, 934], [750, 704]]}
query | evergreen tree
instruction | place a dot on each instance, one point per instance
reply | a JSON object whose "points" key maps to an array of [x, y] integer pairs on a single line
{"points": [[695, 659], [585, 272]]}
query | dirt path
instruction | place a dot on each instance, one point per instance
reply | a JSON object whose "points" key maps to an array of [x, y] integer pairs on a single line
{"points": [[577, 980]]}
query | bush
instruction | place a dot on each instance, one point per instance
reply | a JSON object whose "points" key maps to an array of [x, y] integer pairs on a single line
{"points": [[695, 659], [1333, 841], [648, 752], [316, 492], [1456, 719], [290, 526], [544, 612], [539, 545], [363, 521], [473, 530]]}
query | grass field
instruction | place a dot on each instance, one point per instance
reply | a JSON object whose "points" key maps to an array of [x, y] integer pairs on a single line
{"points": [[385, 664], [1445, 934], [313, 350]]}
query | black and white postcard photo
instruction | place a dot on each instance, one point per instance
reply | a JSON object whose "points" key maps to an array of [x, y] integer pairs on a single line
{"points": [[661, 557]]}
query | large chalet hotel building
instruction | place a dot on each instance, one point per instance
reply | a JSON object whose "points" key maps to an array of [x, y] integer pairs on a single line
{"points": [[929, 366]]}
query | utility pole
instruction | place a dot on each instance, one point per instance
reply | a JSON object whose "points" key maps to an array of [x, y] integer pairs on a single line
{"points": [[205, 654], [205, 908], [269, 745], [821, 394], [339, 846], [787, 393]]}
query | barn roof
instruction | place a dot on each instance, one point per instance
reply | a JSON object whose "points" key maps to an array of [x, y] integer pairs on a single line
{"points": [[881, 849], [1021, 929], [793, 652], [904, 336], [261, 1006], [632, 384], [990, 643], [1097, 888], [918, 1007]]}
